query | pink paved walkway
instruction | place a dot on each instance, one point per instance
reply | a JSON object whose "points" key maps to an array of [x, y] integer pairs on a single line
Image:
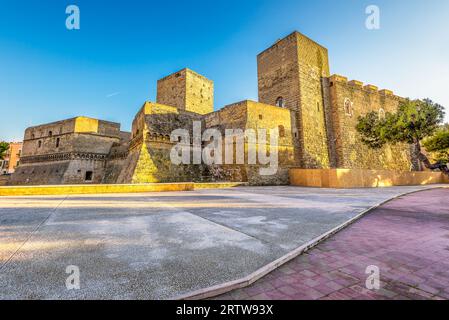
{"points": [[408, 239]]}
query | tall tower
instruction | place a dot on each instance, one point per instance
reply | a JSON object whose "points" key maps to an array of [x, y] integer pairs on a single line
{"points": [[188, 91], [291, 74]]}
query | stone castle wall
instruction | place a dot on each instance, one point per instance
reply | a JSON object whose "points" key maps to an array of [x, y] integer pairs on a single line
{"points": [[316, 115], [188, 91], [350, 100], [278, 77], [292, 70], [253, 115], [313, 67], [65, 151], [149, 160]]}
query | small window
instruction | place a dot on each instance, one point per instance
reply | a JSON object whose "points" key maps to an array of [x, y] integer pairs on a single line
{"points": [[318, 107], [32, 136], [50, 133], [260, 117], [331, 84], [348, 107], [39, 144], [89, 176], [57, 142], [381, 114], [281, 131], [280, 102]]}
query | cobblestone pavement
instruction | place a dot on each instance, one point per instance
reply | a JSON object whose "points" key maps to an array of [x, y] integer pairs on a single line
{"points": [[407, 238]]}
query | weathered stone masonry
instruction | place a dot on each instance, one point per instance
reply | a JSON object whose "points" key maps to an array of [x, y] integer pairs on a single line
{"points": [[315, 112]]}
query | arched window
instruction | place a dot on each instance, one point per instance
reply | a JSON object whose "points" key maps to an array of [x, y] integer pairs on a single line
{"points": [[50, 133], [57, 142], [381, 114], [39, 144], [348, 107], [281, 131], [280, 102]]}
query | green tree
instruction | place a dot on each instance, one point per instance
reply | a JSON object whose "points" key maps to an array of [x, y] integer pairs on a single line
{"points": [[412, 123], [438, 144], [4, 146]]}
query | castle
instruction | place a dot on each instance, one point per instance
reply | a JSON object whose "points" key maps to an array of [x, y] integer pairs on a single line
{"points": [[315, 112]]}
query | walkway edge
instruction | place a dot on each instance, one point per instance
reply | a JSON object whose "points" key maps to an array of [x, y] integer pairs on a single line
{"points": [[260, 273]]}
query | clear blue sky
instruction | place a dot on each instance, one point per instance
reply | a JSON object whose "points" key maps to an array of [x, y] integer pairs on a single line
{"points": [[110, 67]]}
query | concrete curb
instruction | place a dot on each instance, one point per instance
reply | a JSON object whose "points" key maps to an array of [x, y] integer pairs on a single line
{"points": [[260, 273]]}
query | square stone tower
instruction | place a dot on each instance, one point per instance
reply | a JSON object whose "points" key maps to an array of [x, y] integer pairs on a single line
{"points": [[291, 74], [187, 91]]}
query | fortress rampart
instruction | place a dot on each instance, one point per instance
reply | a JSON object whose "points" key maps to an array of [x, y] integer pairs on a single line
{"points": [[315, 113]]}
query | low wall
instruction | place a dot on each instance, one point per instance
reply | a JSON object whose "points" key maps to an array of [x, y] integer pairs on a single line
{"points": [[358, 178], [110, 188], [219, 185]]}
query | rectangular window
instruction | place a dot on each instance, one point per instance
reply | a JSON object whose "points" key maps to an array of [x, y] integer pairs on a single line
{"points": [[89, 176]]}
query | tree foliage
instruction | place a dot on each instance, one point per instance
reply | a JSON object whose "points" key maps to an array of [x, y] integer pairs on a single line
{"points": [[4, 146], [438, 144], [414, 121]]}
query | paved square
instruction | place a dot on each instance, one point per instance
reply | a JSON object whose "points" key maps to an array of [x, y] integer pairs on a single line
{"points": [[162, 245], [407, 239]]}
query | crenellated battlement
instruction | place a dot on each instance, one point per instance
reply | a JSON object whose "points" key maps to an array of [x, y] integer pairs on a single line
{"points": [[336, 78], [356, 83]]}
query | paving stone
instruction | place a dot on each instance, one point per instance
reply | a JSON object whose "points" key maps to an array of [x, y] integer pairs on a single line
{"points": [[403, 238]]}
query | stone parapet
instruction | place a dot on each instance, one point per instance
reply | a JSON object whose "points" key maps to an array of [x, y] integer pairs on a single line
{"points": [[359, 178]]}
